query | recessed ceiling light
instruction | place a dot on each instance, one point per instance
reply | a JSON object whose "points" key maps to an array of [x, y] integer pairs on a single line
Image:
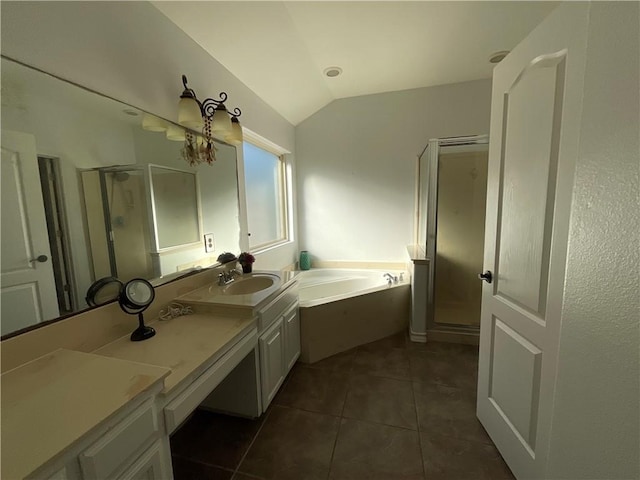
{"points": [[498, 56], [131, 112], [332, 71]]}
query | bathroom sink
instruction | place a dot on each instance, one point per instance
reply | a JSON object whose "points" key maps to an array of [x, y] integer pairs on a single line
{"points": [[249, 285], [245, 292]]}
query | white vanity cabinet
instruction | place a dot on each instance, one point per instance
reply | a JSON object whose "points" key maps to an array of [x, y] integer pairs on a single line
{"points": [[272, 366], [149, 466], [279, 342], [131, 446], [291, 321], [131, 449]]}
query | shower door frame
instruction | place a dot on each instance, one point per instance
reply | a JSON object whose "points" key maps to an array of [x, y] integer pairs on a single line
{"points": [[433, 151], [106, 210]]}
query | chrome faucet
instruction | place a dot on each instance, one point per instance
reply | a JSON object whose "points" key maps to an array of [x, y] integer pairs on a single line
{"points": [[226, 277], [390, 278]]}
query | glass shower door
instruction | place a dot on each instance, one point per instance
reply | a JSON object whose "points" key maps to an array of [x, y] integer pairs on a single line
{"points": [[459, 234], [127, 214]]}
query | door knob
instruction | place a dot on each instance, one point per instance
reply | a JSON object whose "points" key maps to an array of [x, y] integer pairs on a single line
{"points": [[40, 259], [486, 276]]}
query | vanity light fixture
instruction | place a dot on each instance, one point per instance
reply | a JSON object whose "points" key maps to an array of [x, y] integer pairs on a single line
{"points": [[210, 116], [154, 124], [175, 133], [199, 121]]}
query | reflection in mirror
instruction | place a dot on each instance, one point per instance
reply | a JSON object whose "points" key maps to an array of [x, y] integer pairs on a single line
{"points": [[77, 202], [176, 208]]}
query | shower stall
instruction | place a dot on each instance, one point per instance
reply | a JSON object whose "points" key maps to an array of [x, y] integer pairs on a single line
{"points": [[451, 214], [142, 221], [117, 222]]}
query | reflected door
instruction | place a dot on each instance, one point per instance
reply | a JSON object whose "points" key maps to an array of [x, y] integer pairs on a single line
{"points": [[28, 285]]}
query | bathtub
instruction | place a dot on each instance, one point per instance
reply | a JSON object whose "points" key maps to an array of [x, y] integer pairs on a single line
{"points": [[343, 308]]}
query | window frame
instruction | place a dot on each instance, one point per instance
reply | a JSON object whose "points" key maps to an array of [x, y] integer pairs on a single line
{"points": [[285, 194]]}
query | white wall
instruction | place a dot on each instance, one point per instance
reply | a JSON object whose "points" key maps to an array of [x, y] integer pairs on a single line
{"points": [[596, 424], [69, 135], [356, 163], [131, 51]]}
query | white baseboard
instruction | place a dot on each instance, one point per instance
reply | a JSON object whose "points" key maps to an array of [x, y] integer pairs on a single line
{"points": [[417, 337]]}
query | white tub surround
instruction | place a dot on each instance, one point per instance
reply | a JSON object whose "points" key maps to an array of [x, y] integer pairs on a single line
{"points": [[418, 265], [341, 309], [354, 265], [324, 285]]}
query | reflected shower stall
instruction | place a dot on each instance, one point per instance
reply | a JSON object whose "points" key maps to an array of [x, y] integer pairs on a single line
{"points": [[118, 225], [452, 198]]}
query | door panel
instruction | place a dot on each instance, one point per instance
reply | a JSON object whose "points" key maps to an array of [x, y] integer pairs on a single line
{"points": [[23, 299], [292, 336], [535, 119], [28, 287], [272, 361], [529, 169], [515, 380]]}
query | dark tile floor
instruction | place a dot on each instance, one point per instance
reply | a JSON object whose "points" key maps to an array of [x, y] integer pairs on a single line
{"points": [[387, 410]]}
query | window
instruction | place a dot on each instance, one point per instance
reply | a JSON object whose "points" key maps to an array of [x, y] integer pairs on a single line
{"points": [[265, 187]]}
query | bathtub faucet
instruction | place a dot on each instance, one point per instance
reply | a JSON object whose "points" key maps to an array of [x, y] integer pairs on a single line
{"points": [[390, 278]]}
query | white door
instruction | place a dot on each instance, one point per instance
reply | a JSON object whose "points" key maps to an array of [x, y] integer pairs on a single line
{"points": [[535, 120], [28, 286]]}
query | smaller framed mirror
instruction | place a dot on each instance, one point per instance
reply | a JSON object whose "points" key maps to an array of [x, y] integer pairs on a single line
{"points": [[175, 198]]}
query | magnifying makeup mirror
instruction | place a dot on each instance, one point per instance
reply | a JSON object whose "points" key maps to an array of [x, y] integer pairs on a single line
{"points": [[103, 291], [136, 295]]}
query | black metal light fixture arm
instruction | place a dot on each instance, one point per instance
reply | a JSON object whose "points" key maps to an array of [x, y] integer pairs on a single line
{"points": [[208, 106]]}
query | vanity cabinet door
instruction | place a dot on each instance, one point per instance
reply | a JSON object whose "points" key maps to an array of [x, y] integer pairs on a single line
{"points": [[272, 367], [292, 337], [148, 467]]}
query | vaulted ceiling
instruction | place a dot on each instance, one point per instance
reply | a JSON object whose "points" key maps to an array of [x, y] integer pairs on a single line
{"points": [[280, 49]]}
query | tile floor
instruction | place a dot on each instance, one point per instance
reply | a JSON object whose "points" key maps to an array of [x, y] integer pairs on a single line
{"points": [[387, 410]]}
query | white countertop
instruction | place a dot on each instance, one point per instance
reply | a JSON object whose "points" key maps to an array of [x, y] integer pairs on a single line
{"points": [[186, 345], [50, 403]]}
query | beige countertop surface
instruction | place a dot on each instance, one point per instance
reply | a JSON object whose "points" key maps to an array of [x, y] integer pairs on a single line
{"points": [[186, 345], [417, 254], [50, 403]]}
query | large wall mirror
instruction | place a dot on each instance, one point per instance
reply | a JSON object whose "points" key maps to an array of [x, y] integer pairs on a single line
{"points": [[87, 193]]}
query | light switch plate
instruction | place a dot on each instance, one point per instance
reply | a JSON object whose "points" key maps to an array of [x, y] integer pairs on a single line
{"points": [[208, 242]]}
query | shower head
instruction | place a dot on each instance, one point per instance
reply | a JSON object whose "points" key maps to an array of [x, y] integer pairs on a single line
{"points": [[121, 176]]}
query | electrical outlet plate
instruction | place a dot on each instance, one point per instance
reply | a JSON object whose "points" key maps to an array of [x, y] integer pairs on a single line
{"points": [[208, 243]]}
